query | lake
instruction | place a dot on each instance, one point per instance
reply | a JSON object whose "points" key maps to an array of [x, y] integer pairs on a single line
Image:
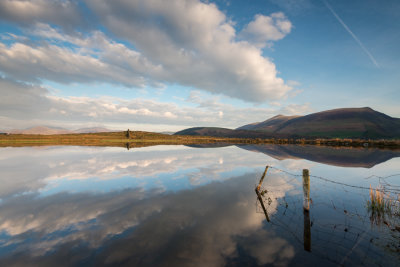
{"points": [[197, 206]]}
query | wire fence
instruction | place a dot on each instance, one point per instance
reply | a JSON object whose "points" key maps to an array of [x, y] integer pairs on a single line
{"points": [[339, 224]]}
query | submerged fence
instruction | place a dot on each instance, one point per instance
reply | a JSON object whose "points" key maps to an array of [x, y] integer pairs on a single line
{"points": [[341, 223]]}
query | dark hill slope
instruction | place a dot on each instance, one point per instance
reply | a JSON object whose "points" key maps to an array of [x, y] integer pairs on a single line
{"points": [[346, 122], [336, 123], [223, 132], [269, 125]]}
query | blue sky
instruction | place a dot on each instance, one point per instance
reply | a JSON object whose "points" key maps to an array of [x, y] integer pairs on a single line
{"points": [[167, 65]]}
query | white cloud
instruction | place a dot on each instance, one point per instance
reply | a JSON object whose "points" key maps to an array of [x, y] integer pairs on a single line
{"points": [[264, 29], [98, 60], [184, 42], [296, 109], [26, 12], [196, 43], [23, 102]]}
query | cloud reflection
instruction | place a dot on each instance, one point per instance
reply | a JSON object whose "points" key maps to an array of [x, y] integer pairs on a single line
{"points": [[55, 169], [195, 227], [153, 206]]}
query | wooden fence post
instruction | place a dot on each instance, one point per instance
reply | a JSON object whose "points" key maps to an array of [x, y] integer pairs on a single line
{"points": [[306, 189], [257, 189]]}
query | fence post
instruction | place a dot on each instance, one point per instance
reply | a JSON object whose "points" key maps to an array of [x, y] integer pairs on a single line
{"points": [[306, 189], [257, 189], [306, 210]]}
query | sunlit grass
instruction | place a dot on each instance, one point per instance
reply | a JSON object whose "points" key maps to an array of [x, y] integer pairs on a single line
{"points": [[136, 137], [384, 209], [379, 202]]}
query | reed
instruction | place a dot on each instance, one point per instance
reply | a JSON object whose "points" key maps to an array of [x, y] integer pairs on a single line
{"points": [[380, 202]]}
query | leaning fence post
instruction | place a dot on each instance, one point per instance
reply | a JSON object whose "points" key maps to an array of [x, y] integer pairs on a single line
{"points": [[257, 189], [306, 210]]}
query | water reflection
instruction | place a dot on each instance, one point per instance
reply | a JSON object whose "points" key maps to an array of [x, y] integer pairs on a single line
{"points": [[174, 205], [193, 227], [57, 169], [334, 229], [343, 157]]}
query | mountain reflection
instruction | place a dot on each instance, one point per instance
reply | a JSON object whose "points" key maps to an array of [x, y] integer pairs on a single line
{"points": [[343, 157]]}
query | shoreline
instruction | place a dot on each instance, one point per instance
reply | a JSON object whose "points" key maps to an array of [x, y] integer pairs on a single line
{"points": [[140, 139]]}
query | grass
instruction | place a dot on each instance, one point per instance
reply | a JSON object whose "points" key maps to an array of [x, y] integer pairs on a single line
{"points": [[379, 202], [137, 138], [383, 208], [140, 138]]}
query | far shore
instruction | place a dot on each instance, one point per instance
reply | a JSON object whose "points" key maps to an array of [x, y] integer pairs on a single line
{"points": [[139, 139]]}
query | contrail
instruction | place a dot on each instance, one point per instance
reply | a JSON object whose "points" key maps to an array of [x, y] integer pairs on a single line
{"points": [[352, 34]]}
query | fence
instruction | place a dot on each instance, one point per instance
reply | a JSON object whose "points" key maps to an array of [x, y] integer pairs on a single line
{"points": [[333, 220]]}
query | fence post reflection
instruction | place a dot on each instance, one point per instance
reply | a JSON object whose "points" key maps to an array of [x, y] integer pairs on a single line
{"points": [[306, 210]]}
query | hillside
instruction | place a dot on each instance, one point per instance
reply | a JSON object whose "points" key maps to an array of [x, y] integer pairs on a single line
{"points": [[223, 132], [343, 123], [93, 130], [48, 130], [40, 130], [269, 125], [364, 123]]}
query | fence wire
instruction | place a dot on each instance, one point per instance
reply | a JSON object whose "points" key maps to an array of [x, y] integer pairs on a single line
{"points": [[340, 226]]}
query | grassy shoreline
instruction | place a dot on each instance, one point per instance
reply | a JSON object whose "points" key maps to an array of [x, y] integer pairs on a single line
{"points": [[139, 139]]}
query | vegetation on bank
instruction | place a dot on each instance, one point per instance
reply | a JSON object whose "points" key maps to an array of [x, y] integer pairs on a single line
{"points": [[139, 138]]}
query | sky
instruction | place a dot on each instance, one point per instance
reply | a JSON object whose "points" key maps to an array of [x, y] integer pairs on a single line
{"points": [[159, 65]]}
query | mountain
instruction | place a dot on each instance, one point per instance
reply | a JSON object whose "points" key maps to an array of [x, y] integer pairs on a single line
{"points": [[41, 130], [345, 122], [269, 125], [48, 130], [166, 132], [93, 130], [222, 132], [337, 123]]}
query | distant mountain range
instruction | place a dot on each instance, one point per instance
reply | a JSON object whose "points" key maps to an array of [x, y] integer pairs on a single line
{"points": [[47, 130], [336, 123]]}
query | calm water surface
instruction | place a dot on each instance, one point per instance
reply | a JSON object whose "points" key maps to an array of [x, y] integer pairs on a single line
{"points": [[195, 206]]}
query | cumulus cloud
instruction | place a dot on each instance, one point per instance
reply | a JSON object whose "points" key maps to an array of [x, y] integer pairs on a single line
{"points": [[65, 13], [19, 100], [26, 102], [264, 29], [154, 43], [30, 62], [184, 42], [196, 43]]}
